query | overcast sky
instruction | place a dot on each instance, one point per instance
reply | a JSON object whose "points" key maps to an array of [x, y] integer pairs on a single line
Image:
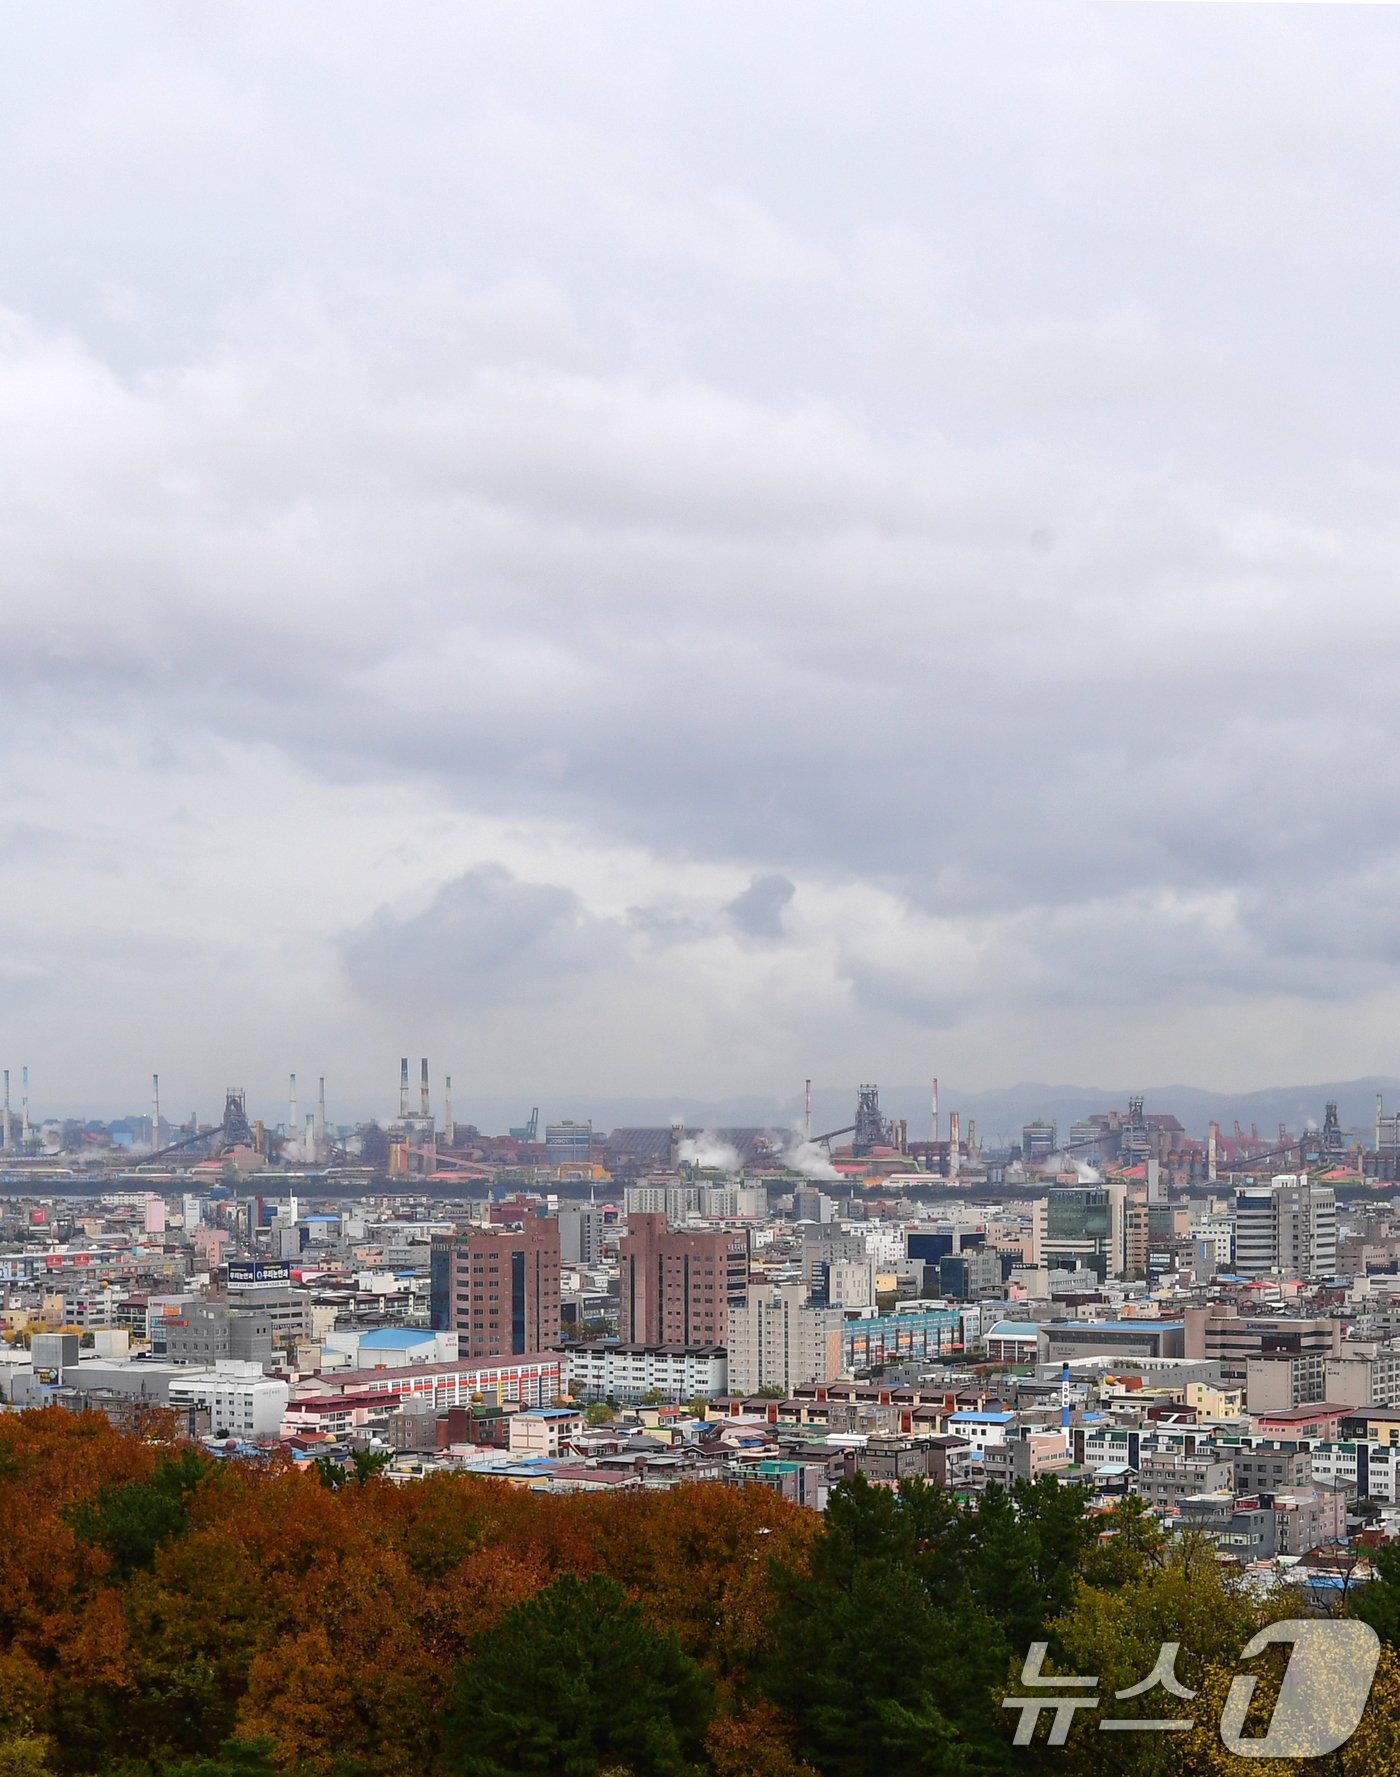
{"points": [[672, 549]]}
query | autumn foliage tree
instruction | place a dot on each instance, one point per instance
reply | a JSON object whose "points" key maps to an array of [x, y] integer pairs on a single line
{"points": [[166, 1615]]}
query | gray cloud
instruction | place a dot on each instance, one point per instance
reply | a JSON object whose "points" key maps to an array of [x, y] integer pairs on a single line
{"points": [[758, 911], [988, 511], [483, 940]]}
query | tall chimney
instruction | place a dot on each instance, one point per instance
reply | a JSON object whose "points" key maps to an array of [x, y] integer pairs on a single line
{"points": [[403, 1087], [935, 1110], [293, 1128], [1211, 1152], [1379, 1111], [426, 1107], [448, 1127], [7, 1110], [155, 1113], [321, 1111], [954, 1158], [808, 1124], [24, 1107]]}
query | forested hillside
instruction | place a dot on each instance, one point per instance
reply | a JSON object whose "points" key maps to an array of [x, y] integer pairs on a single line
{"points": [[162, 1613]]}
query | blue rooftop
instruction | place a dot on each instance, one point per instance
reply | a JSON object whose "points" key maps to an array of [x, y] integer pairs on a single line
{"points": [[396, 1338], [971, 1418], [1124, 1326]]}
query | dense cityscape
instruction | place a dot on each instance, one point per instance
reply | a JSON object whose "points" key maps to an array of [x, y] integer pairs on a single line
{"points": [[1208, 1321], [1145, 1342]]}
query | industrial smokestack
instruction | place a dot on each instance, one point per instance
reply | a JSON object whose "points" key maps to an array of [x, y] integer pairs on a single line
{"points": [[293, 1128], [1379, 1112], [403, 1087], [449, 1128], [7, 1110], [1211, 1152], [954, 1158], [807, 1124], [426, 1110], [935, 1110], [321, 1110], [155, 1113], [24, 1106]]}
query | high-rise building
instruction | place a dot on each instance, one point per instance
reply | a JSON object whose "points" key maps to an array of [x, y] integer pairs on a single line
{"points": [[498, 1288], [1082, 1222], [580, 1236], [679, 1287], [777, 1341], [1286, 1228]]}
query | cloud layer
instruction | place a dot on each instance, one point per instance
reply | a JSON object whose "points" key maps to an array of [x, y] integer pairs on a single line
{"points": [[667, 553]]}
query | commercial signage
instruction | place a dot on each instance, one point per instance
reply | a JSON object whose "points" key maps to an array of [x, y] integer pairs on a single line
{"points": [[259, 1271]]}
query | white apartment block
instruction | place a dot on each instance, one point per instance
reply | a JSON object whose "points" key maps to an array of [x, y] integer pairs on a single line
{"points": [[850, 1286], [629, 1373], [777, 1341], [888, 1246], [732, 1201], [1370, 1470]]}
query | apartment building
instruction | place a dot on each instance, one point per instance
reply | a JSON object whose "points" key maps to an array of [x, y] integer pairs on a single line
{"points": [[1026, 1458], [498, 1288], [1305, 1518], [1275, 1382], [678, 1286], [1265, 1468], [777, 1341], [602, 1371], [1166, 1478], [1365, 1381], [580, 1236], [241, 1401]]}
